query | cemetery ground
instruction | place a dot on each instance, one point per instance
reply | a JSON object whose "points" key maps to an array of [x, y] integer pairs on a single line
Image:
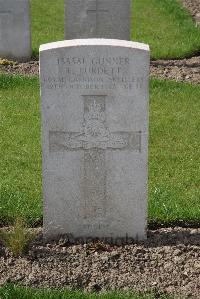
{"points": [[168, 262]]}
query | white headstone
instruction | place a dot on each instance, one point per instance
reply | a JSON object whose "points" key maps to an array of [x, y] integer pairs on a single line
{"points": [[94, 96], [15, 36], [97, 19]]}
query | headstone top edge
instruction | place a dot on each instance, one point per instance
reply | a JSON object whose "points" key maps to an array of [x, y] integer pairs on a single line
{"points": [[94, 42]]}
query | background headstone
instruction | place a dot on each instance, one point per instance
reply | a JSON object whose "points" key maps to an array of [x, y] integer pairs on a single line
{"points": [[95, 137], [97, 19], [15, 34]]}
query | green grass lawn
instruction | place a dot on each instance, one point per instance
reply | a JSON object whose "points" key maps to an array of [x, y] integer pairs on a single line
{"points": [[174, 152], [174, 155], [20, 177], [47, 22], [12, 292], [164, 24]]}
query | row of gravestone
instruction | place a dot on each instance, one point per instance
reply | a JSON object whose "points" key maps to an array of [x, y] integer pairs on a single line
{"points": [[94, 103], [83, 19]]}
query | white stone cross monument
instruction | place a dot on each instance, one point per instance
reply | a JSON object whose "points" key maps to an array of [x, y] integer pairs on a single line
{"points": [[15, 34], [95, 138], [97, 19]]}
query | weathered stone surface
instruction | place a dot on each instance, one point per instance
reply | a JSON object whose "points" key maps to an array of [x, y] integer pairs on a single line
{"points": [[97, 19], [15, 36], [95, 137]]}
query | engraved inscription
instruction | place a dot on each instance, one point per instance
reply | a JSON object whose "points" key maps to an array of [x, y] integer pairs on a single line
{"points": [[94, 138], [95, 226], [95, 83], [97, 11], [96, 73]]}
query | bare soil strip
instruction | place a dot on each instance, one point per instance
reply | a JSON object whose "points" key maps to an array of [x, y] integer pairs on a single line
{"points": [[193, 7], [168, 262], [185, 70]]}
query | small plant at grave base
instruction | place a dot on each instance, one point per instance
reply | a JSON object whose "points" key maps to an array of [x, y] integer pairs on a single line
{"points": [[17, 238], [6, 62]]}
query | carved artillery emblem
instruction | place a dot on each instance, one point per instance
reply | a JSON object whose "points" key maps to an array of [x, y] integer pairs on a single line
{"points": [[95, 133]]}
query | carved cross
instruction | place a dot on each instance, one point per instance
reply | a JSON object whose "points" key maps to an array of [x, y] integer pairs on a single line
{"points": [[98, 12], [94, 138]]}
